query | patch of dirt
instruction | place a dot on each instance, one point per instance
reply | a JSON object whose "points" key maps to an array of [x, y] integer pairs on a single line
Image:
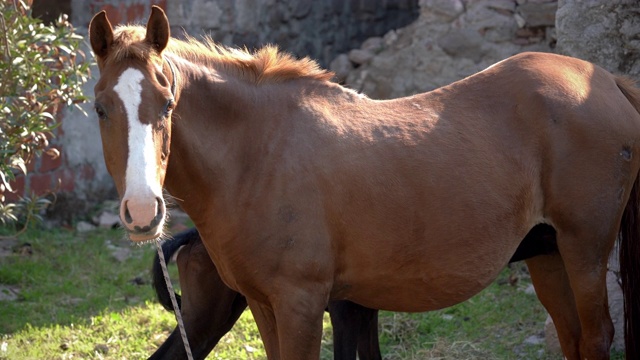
{"points": [[6, 246], [9, 292], [12, 246]]}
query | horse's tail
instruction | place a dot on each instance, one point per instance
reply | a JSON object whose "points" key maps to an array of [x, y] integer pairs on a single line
{"points": [[169, 248], [630, 247]]}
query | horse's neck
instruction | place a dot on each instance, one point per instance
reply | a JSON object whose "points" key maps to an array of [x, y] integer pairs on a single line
{"points": [[212, 121]]}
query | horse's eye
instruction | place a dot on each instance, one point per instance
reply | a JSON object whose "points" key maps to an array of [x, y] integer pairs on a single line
{"points": [[168, 107], [100, 112]]}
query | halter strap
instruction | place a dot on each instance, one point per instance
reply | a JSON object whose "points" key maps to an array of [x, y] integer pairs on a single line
{"points": [[173, 75]]}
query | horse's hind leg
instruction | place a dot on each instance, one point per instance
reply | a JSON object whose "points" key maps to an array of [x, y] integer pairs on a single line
{"points": [[585, 258], [552, 286]]}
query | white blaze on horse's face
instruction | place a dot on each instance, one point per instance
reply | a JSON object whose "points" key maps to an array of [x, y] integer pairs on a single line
{"points": [[142, 207]]}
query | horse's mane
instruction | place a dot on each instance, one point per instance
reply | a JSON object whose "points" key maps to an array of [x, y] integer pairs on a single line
{"points": [[265, 65]]}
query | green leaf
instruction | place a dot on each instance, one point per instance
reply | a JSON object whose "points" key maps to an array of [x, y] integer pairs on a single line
{"points": [[45, 68]]}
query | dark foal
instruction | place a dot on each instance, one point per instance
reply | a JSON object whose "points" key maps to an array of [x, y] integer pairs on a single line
{"points": [[210, 308]]}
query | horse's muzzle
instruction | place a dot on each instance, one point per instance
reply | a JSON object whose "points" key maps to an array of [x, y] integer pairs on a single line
{"points": [[142, 218]]}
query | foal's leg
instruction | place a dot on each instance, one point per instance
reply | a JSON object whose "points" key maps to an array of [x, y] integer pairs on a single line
{"points": [[552, 286], [209, 306], [345, 330], [355, 327], [368, 342]]}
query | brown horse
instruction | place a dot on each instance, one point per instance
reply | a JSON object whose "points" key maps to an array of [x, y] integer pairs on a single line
{"points": [[210, 308], [304, 191]]}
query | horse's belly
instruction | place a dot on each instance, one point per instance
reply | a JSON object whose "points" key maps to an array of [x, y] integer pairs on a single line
{"points": [[432, 291], [437, 272]]}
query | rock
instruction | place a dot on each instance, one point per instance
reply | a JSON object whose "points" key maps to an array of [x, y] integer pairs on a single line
{"points": [[138, 280], [534, 340], [24, 249], [448, 8], [121, 254], [551, 336], [389, 38], [108, 220], [538, 14], [101, 348], [529, 290], [373, 44], [83, 226], [341, 66], [7, 246], [9, 293], [359, 56], [616, 310], [463, 43], [520, 20]]}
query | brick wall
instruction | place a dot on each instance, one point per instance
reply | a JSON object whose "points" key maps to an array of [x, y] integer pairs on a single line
{"points": [[47, 174], [71, 172]]}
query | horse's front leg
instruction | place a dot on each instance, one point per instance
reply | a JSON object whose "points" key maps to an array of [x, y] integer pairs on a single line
{"points": [[299, 321], [291, 327], [266, 321]]}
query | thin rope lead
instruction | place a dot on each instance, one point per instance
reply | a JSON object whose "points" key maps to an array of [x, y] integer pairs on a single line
{"points": [[174, 302]]}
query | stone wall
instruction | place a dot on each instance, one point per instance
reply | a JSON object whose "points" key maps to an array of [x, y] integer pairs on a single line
{"points": [[318, 29], [604, 32], [450, 40]]}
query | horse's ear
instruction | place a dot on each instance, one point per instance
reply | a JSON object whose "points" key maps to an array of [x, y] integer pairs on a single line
{"points": [[158, 32], [100, 34]]}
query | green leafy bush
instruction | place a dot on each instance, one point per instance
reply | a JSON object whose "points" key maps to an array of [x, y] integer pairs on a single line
{"points": [[41, 69]]}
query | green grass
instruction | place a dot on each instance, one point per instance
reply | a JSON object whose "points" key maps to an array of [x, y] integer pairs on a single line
{"points": [[77, 301]]}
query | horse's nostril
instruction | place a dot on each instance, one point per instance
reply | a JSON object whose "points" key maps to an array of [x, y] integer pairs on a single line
{"points": [[159, 208], [159, 212], [127, 215]]}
